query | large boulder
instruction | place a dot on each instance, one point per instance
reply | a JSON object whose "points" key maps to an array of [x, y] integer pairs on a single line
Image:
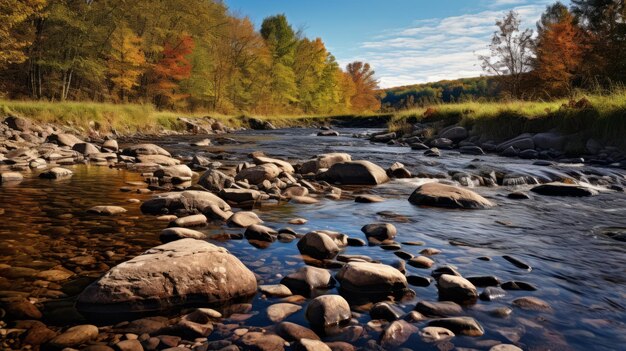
{"points": [[563, 189], [63, 139], [327, 312], [374, 278], [86, 148], [18, 123], [324, 161], [520, 143], [284, 165], [175, 174], [441, 195], [355, 173], [177, 273], [257, 174], [379, 231], [318, 245], [186, 202], [56, 173], [161, 160], [214, 180], [455, 133], [549, 140], [145, 149]]}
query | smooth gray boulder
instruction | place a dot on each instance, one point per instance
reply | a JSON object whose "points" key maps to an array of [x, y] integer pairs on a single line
{"points": [[186, 202], [448, 196], [177, 273]]}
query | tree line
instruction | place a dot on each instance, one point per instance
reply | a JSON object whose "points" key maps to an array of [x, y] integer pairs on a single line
{"points": [[175, 54], [582, 47]]}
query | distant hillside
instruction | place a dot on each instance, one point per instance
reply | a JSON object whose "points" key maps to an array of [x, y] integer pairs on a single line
{"points": [[445, 91]]}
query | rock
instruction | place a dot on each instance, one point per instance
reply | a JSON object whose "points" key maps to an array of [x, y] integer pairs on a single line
{"points": [[110, 144], [56, 173], [107, 210], [442, 143], [521, 142], [240, 195], [417, 280], [528, 154], [318, 245], [518, 263], [492, 293], [145, 149], [471, 150], [379, 231], [383, 137], [370, 278], [355, 173], [327, 133], [518, 196], [129, 345], [214, 180], [459, 325], [563, 189], [21, 308], [505, 347], [11, 177], [283, 165], [548, 140], [307, 279], [175, 174], [18, 123], [386, 311], [294, 191], [455, 133], [421, 262], [310, 345], [441, 195], [509, 152], [279, 311], [38, 335], [262, 342], [161, 160], [63, 139], [457, 289], [257, 174], [366, 198], [260, 233], [180, 272], [293, 332], [177, 233], [244, 219], [397, 333], [484, 280], [190, 221], [86, 148], [203, 142], [432, 152], [397, 170], [531, 303], [277, 290], [439, 309], [75, 336], [187, 202], [327, 312], [324, 161], [436, 334]]}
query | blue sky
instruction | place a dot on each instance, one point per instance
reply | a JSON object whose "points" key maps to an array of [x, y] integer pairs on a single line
{"points": [[406, 41]]}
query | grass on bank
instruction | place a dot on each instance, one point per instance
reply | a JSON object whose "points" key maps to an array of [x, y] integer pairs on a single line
{"points": [[132, 118], [602, 117]]}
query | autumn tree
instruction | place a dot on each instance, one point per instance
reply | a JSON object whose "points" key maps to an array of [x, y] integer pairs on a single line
{"points": [[605, 23], [126, 61], [173, 67], [15, 36], [365, 97], [559, 51], [510, 53]]}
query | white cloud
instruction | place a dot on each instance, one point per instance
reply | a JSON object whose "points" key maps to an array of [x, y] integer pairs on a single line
{"points": [[441, 48]]}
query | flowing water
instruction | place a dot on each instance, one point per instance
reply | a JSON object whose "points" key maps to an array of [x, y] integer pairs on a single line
{"points": [[577, 269]]}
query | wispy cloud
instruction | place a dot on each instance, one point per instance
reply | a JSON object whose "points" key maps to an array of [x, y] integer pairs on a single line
{"points": [[441, 48]]}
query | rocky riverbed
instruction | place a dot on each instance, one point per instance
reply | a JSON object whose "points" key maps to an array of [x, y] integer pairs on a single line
{"points": [[286, 240]]}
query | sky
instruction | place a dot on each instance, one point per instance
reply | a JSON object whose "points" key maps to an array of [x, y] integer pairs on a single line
{"points": [[405, 41]]}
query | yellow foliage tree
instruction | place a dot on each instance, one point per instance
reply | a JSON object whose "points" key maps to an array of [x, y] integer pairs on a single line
{"points": [[13, 37], [126, 61]]}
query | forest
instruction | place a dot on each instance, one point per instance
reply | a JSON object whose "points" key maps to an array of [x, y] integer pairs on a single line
{"points": [[184, 55], [572, 50]]}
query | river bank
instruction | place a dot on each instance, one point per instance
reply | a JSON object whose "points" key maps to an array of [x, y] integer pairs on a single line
{"points": [[303, 215]]}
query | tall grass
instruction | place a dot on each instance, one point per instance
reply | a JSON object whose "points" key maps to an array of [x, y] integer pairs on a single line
{"points": [[602, 118]]}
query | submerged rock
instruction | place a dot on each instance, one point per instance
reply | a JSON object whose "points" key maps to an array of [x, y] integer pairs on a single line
{"points": [[107, 210], [459, 325], [441, 195], [177, 233], [180, 272], [563, 189], [56, 173]]}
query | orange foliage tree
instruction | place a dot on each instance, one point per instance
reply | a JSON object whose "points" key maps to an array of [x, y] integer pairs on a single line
{"points": [[170, 70], [559, 51], [365, 96]]}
